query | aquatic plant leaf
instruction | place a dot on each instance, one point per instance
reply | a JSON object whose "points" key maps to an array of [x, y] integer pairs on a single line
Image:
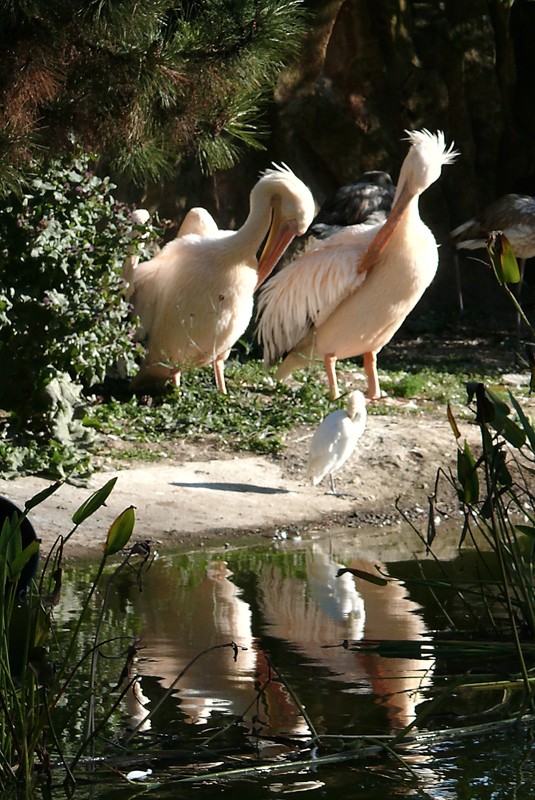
{"points": [[431, 525], [502, 258], [43, 626], [120, 531], [528, 530], [467, 475], [485, 411], [466, 528], [21, 559], [11, 542], [5, 535], [52, 599], [453, 422], [511, 432], [502, 422], [42, 495], [94, 502], [503, 476], [524, 421], [529, 347], [365, 576]]}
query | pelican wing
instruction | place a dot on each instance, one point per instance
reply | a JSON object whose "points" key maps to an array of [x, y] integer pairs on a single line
{"points": [[152, 280], [306, 291]]}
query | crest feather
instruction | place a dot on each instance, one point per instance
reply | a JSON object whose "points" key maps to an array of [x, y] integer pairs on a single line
{"points": [[433, 142]]}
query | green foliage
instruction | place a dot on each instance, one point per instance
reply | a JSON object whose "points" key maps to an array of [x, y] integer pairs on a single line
{"points": [[495, 489], [254, 415], [41, 677], [145, 89], [63, 244], [63, 318]]}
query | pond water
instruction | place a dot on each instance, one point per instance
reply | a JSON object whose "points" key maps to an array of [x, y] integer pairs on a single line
{"points": [[290, 677]]}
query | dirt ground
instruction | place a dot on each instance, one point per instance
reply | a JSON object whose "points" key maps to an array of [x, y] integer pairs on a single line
{"points": [[199, 495]]}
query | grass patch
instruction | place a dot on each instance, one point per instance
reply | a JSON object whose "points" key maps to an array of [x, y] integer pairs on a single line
{"points": [[255, 416], [257, 412]]}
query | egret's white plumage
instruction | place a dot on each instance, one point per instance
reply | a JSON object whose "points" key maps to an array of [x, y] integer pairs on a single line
{"points": [[348, 295], [195, 298], [335, 439]]}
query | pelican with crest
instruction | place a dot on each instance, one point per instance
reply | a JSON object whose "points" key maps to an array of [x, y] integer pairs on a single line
{"points": [[348, 295], [194, 299]]}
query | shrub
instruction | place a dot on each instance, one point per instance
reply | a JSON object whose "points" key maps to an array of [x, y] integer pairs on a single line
{"points": [[61, 303], [63, 317]]}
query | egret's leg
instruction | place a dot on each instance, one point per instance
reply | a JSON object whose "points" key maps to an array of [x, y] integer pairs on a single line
{"points": [[219, 372], [333, 490], [373, 392], [330, 368]]}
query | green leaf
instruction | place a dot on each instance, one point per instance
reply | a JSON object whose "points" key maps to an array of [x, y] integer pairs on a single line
{"points": [[21, 559], [502, 258], [529, 530], [453, 423], [94, 502], [42, 495], [502, 423], [120, 531], [526, 424], [467, 475], [510, 431]]}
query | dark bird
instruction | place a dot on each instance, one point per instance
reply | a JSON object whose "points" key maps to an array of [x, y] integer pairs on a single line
{"points": [[369, 199], [514, 216]]}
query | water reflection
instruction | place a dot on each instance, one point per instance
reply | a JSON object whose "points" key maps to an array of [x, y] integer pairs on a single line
{"points": [[287, 608]]}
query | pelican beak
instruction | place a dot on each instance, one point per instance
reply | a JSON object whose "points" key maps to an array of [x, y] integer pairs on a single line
{"points": [[280, 235], [372, 254]]}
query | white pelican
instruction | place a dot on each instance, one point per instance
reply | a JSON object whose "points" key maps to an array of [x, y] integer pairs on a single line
{"points": [[198, 220], [349, 294], [369, 200], [335, 439], [195, 298]]}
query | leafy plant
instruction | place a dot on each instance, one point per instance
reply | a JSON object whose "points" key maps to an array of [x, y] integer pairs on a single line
{"points": [[37, 672], [495, 488], [63, 317]]}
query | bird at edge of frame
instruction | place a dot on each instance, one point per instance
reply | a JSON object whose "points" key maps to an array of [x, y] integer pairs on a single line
{"points": [[335, 439], [514, 216]]}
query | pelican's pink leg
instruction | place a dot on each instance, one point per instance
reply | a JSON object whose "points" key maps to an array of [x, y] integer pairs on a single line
{"points": [[373, 392], [219, 370], [330, 368]]}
